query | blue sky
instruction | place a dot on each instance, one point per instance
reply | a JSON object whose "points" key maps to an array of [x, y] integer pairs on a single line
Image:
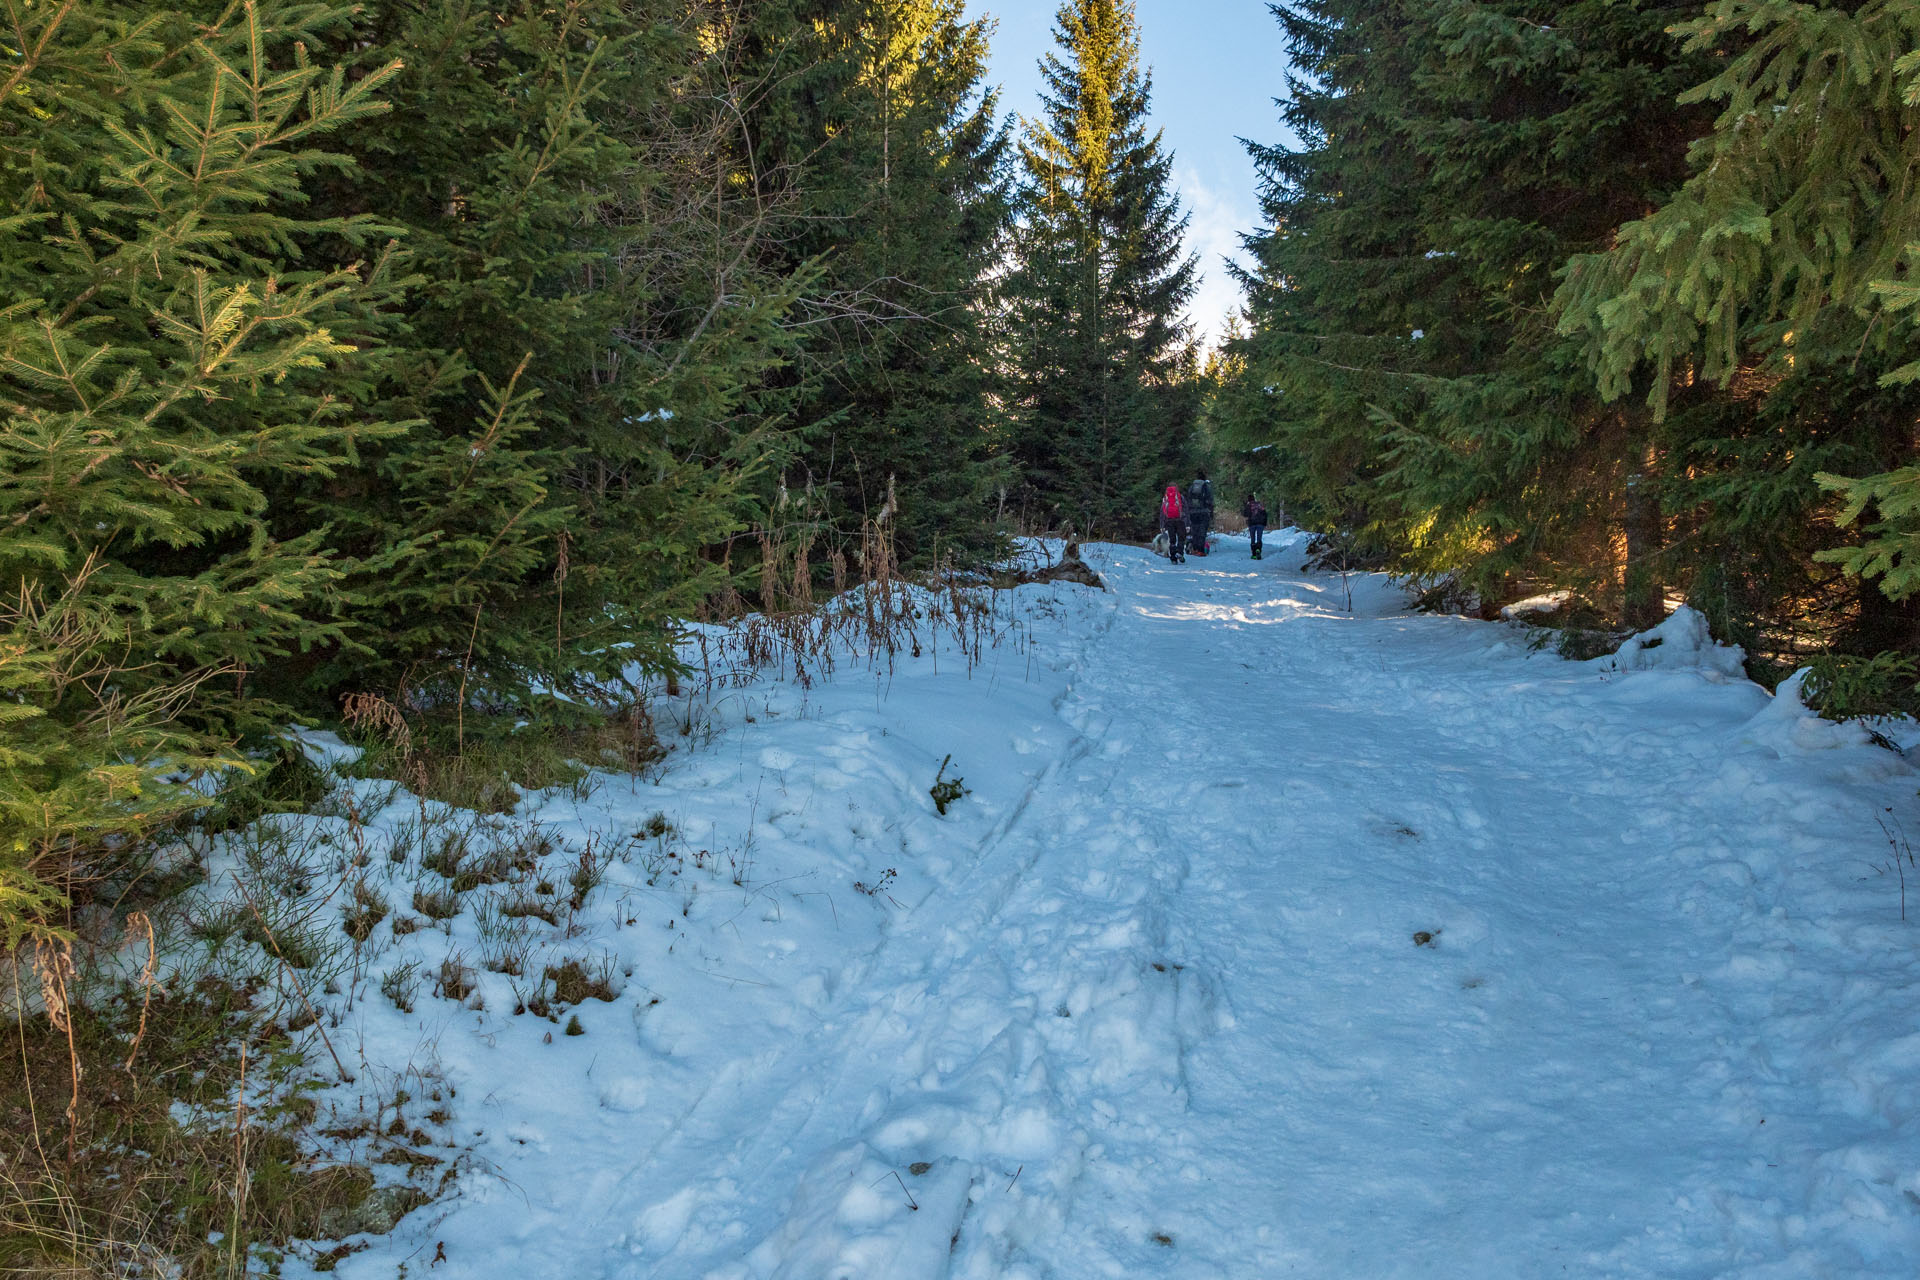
{"points": [[1217, 66]]}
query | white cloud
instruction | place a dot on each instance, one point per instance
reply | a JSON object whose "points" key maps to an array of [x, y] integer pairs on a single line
{"points": [[1217, 223]]}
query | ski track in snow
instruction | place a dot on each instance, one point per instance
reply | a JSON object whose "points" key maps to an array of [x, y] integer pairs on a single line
{"points": [[1158, 1009]]}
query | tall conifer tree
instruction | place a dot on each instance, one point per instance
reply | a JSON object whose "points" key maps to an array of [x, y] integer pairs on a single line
{"points": [[903, 199], [1105, 377], [1769, 274], [1453, 155], [1343, 296], [166, 357], [1532, 123], [575, 357]]}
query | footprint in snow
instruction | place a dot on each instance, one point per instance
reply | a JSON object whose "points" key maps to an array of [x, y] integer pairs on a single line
{"points": [[627, 1095]]}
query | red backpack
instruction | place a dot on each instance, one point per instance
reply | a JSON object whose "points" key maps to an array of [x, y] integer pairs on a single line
{"points": [[1170, 505]]}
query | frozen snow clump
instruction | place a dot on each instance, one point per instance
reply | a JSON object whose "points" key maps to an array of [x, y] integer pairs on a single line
{"points": [[1682, 641]]}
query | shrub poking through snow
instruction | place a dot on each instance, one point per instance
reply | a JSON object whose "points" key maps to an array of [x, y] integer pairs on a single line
{"points": [[946, 790], [284, 940], [508, 957], [879, 886], [586, 875], [1845, 688]]}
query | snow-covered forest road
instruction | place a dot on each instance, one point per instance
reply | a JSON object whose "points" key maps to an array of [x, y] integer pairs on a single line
{"points": [[1271, 940]]}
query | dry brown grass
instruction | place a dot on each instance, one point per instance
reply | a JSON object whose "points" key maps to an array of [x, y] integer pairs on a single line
{"points": [[159, 1166], [485, 772], [1227, 520], [877, 614]]}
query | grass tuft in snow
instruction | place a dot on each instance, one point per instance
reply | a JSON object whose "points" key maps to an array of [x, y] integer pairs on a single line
{"points": [[576, 981], [435, 904], [401, 984], [365, 910]]}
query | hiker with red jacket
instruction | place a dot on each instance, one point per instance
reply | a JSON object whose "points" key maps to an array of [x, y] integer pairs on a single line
{"points": [[1256, 513], [1173, 522]]}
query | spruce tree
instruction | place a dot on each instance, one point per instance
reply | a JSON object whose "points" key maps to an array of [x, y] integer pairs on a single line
{"points": [[173, 340], [1534, 124], [573, 364], [1345, 300], [1772, 273], [1105, 384], [918, 379], [1453, 156], [886, 162]]}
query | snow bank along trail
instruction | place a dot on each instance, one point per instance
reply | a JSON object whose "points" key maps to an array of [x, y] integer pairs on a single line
{"points": [[1149, 1000]]}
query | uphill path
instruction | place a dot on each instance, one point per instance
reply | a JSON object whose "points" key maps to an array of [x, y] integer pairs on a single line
{"points": [[1337, 941]]}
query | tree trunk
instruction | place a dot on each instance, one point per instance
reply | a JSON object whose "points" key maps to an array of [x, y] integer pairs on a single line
{"points": [[1882, 623], [1643, 603]]}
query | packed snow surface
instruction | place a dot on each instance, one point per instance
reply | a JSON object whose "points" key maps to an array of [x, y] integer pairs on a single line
{"points": [[1267, 939]]}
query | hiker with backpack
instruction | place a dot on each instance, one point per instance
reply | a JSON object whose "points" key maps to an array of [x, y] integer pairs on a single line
{"points": [[1256, 513], [1199, 511], [1173, 522]]}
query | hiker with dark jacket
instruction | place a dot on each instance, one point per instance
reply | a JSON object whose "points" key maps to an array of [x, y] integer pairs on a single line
{"points": [[1199, 511], [1173, 521], [1256, 513]]}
